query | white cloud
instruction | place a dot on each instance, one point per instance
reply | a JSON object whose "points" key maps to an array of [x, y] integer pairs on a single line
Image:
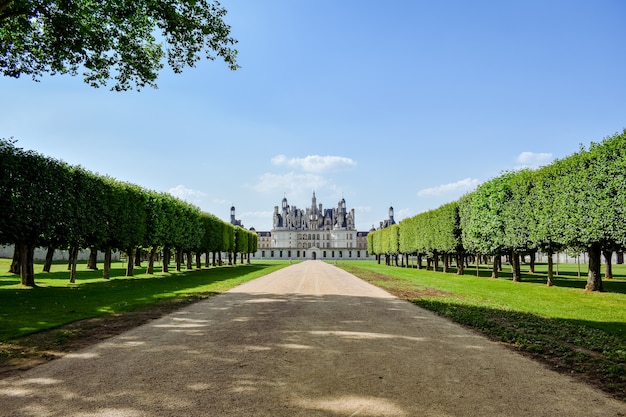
{"points": [[221, 202], [315, 163], [251, 218], [291, 183], [401, 214], [187, 194], [534, 159], [456, 188]]}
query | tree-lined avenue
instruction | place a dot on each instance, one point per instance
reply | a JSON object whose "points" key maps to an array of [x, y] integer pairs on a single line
{"points": [[308, 340]]}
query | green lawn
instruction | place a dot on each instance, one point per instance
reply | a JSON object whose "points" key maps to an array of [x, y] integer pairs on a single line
{"points": [[566, 300], [572, 330], [25, 310]]}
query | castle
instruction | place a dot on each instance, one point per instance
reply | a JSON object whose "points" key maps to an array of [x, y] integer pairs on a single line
{"points": [[313, 233]]}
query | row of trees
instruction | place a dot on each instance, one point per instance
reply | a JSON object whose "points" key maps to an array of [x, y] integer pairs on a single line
{"points": [[576, 203], [48, 203]]}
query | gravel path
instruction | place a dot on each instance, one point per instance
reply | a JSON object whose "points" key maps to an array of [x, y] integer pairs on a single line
{"points": [[308, 340]]}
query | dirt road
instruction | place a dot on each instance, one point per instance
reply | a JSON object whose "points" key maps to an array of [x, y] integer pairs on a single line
{"points": [[308, 340]]}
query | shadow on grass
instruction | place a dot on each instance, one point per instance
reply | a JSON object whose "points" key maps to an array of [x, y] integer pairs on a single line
{"points": [[567, 279], [61, 274], [24, 311], [596, 351]]}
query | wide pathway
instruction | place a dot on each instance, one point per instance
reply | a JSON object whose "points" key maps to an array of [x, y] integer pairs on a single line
{"points": [[308, 340]]}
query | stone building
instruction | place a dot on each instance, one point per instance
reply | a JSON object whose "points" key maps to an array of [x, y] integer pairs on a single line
{"points": [[233, 220], [313, 232], [388, 222]]}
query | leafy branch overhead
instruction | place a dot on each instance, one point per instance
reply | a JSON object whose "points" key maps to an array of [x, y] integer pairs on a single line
{"points": [[122, 41]]}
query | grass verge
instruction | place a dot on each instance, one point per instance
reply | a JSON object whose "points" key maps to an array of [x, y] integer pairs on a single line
{"points": [[578, 333]]}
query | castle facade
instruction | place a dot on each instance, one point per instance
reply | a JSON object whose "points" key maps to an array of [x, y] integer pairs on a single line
{"points": [[313, 232]]}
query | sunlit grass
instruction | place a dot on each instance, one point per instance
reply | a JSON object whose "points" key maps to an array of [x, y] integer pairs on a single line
{"points": [[572, 330], [25, 310], [566, 300]]}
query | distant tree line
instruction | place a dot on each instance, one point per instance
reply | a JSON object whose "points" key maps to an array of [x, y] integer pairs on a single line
{"points": [[45, 202], [576, 203]]}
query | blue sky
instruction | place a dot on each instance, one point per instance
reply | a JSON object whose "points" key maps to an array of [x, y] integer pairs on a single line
{"points": [[403, 103]]}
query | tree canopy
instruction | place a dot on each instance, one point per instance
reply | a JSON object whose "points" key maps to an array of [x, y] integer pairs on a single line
{"points": [[576, 203], [46, 202], [124, 41]]}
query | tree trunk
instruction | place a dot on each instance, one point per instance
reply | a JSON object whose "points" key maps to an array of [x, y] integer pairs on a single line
{"points": [[198, 260], [93, 259], [72, 262], [533, 257], [27, 270], [15, 264], [106, 271], [515, 266], [47, 266], [130, 266], [151, 257], [419, 261], [189, 261], [166, 259], [494, 270], [460, 264], [179, 259], [435, 261], [620, 258], [608, 266], [446, 262], [594, 279], [550, 270], [138, 258]]}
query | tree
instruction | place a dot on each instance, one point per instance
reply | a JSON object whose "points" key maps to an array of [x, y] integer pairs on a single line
{"points": [[126, 41], [253, 243], [482, 224], [241, 242], [31, 208], [518, 216], [85, 220], [548, 205]]}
